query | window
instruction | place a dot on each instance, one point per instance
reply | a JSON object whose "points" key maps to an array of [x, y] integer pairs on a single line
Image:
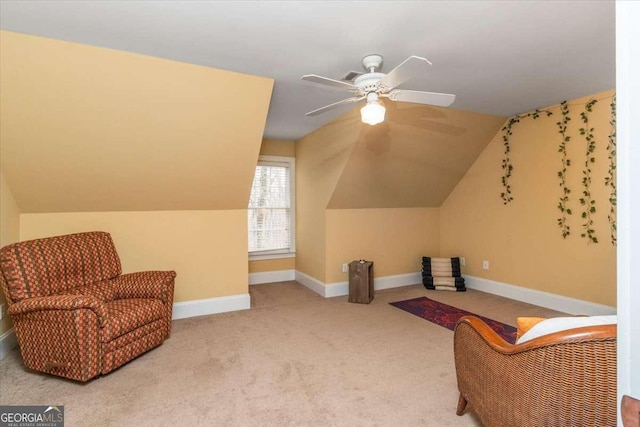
{"points": [[271, 214]]}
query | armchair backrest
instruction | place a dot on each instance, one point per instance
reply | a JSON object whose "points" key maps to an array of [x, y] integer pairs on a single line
{"points": [[54, 265]]}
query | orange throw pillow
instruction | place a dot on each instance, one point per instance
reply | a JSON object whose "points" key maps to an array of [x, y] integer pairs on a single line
{"points": [[526, 323]]}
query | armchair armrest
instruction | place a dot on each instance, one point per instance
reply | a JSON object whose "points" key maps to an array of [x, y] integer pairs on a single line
{"points": [[146, 284], [564, 378], [575, 335], [59, 302]]}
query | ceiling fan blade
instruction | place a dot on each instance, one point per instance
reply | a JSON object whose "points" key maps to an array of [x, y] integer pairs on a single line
{"points": [[328, 82], [420, 97], [335, 105], [411, 67]]}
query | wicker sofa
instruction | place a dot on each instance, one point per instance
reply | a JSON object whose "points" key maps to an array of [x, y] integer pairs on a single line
{"points": [[566, 378], [75, 314]]}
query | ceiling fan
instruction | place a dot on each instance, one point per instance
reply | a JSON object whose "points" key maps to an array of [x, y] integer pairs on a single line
{"points": [[374, 85]]}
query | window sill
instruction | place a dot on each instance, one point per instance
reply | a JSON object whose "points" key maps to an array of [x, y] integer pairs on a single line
{"points": [[271, 256]]}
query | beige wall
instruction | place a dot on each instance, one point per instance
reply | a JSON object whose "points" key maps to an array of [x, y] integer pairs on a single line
{"points": [[406, 165], [277, 264], [123, 132], [522, 240], [414, 158], [208, 249], [320, 159], [9, 233], [278, 147], [93, 129], [9, 214], [159, 153], [283, 148], [394, 239]]}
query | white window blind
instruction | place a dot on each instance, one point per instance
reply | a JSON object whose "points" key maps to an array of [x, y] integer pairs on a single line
{"points": [[270, 209]]}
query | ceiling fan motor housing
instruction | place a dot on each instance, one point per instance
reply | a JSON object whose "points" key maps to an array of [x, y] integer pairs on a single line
{"points": [[369, 82], [372, 63]]}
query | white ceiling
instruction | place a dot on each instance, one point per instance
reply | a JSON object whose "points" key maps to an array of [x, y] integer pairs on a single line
{"points": [[498, 57]]}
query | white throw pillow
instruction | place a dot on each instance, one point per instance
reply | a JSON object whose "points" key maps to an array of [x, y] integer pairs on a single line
{"points": [[557, 324]]}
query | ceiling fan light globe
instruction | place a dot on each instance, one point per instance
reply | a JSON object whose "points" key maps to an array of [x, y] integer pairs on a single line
{"points": [[372, 113]]}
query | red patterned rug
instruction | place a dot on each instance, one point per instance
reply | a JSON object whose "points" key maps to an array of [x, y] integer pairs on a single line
{"points": [[447, 316]]}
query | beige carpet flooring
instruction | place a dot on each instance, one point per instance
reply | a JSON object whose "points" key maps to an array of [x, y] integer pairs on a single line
{"points": [[294, 359]]}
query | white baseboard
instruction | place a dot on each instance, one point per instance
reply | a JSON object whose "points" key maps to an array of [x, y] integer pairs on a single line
{"points": [[531, 296], [338, 289], [397, 281], [202, 307], [8, 342], [271, 276], [310, 282], [543, 299]]}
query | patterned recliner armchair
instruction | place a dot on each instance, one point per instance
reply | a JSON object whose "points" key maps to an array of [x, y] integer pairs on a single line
{"points": [[75, 314]]}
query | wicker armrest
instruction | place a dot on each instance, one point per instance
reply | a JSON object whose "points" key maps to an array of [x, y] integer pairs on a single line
{"points": [[564, 378], [146, 284], [498, 344], [59, 302]]}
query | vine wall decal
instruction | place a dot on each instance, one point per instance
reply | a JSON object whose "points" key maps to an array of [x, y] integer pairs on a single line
{"points": [[562, 174], [610, 179], [586, 201], [507, 167]]}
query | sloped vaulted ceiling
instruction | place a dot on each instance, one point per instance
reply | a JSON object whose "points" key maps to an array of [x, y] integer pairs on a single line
{"points": [[414, 159], [94, 129]]}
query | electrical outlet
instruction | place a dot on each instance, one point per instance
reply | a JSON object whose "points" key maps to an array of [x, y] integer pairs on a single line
{"points": [[485, 265], [345, 268], [463, 261]]}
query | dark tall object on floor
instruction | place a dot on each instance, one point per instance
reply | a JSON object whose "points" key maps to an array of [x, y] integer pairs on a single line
{"points": [[361, 282]]}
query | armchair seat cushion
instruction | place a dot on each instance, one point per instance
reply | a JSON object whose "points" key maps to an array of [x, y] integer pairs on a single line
{"points": [[127, 315]]}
